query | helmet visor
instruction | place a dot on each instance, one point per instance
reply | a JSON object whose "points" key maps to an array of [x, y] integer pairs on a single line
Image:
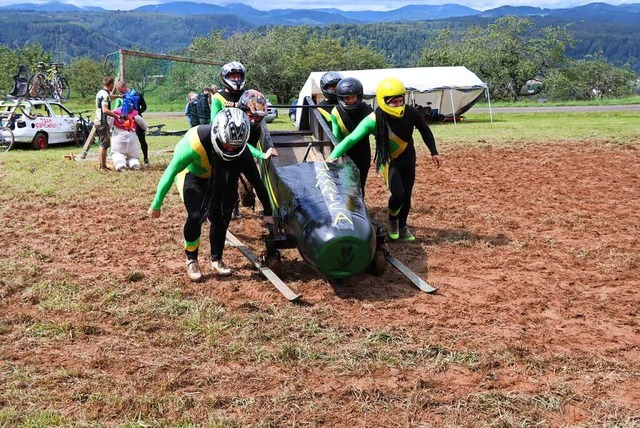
{"points": [[330, 88], [230, 148], [394, 101]]}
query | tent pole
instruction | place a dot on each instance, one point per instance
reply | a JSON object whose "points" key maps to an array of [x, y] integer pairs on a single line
{"points": [[486, 90], [453, 108]]}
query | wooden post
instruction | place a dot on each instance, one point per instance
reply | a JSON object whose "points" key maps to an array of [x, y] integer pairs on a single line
{"points": [[85, 148], [121, 75]]}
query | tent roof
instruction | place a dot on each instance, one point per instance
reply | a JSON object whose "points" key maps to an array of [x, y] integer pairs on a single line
{"points": [[448, 91], [420, 79]]}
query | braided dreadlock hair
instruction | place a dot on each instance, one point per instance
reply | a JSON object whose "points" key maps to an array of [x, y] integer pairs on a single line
{"points": [[383, 153]]}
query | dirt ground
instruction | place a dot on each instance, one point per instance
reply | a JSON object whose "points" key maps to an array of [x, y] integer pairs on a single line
{"points": [[535, 251]]}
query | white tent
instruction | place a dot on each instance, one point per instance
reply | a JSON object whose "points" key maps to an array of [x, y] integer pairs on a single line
{"points": [[448, 89]]}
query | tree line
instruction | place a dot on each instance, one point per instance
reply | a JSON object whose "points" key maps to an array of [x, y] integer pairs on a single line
{"points": [[509, 54]]}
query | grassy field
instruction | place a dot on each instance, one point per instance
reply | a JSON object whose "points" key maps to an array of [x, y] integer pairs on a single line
{"points": [[89, 339]]}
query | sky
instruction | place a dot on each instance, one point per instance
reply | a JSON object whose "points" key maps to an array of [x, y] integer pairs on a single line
{"points": [[352, 5]]}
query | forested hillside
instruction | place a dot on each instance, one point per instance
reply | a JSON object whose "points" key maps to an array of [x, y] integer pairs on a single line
{"points": [[94, 34], [401, 43]]}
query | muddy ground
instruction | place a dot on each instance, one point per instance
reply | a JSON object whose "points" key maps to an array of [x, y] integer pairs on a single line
{"points": [[535, 252]]}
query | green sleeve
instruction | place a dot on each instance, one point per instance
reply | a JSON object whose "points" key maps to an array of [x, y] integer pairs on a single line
{"points": [[255, 152], [183, 155], [335, 127], [216, 106], [365, 127]]}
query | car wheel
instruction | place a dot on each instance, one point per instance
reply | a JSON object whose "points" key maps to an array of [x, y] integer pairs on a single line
{"points": [[40, 141]]}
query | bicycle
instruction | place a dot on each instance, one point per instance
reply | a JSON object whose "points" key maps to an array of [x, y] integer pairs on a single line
{"points": [[49, 81], [8, 122], [83, 128], [6, 139]]}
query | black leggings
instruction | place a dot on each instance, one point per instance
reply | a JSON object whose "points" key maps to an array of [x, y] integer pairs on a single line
{"points": [[142, 137], [193, 191], [402, 176]]}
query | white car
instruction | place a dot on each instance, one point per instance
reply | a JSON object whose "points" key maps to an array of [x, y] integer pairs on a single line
{"points": [[272, 112], [38, 122]]}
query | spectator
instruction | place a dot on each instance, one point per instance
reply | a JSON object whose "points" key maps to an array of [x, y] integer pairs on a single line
{"points": [[203, 107], [141, 132], [191, 109], [103, 120], [124, 138]]}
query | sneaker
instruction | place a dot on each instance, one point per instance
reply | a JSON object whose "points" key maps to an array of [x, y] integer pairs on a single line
{"points": [[394, 233], [406, 235], [146, 162], [220, 268], [193, 268], [236, 214]]}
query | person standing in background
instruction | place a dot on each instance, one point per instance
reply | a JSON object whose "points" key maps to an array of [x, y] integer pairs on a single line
{"points": [[141, 132], [191, 109], [103, 120], [203, 107]]}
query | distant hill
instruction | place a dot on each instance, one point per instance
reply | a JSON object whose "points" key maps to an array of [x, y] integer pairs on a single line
{"points": [[602, 12], [69, 31], [95, 34], [53, 6]]}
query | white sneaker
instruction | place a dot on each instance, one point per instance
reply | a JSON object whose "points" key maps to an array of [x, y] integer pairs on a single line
{"points": [[220, 268], [193, 268]]}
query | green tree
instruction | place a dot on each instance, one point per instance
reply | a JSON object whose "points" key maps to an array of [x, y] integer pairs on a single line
{"points": [[30, 55], [8, 68], [278, 59], [592, 77], [144, 74], [505, 54], [85, 76]]}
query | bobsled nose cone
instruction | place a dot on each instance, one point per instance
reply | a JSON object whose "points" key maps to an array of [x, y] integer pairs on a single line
{"points": [[344, 256]]}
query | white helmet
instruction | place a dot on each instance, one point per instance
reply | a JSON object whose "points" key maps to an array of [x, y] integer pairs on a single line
{"points": [[230, 132], [234, 67]]}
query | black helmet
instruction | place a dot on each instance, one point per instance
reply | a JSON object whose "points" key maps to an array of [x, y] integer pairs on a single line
{"points": [[349, 86], [327, 79], [232, 68]]}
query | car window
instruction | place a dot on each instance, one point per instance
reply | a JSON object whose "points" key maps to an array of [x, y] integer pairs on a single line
{"points": [[59, 110], [41, 110]]}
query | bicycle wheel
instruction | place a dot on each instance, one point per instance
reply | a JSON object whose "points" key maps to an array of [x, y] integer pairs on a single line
{"points": [[37, 86], [6, 140], [61, 89], [25, 110], [82, 133]]}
